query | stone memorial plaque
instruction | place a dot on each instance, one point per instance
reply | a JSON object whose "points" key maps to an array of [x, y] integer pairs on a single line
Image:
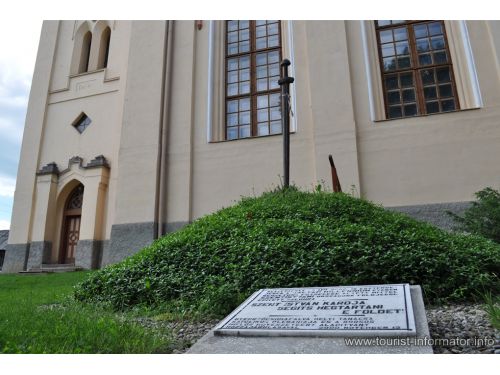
{"points": [[368, 310]]}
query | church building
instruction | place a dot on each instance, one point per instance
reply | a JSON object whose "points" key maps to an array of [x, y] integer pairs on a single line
{"points": [[136, 128]]}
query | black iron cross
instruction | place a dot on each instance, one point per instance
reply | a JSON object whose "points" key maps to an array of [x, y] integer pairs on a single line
{"points": [[284, 82]]}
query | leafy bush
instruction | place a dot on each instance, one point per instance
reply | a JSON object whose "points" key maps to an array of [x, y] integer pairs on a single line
{"points": [[295, 239], [483, 217]]}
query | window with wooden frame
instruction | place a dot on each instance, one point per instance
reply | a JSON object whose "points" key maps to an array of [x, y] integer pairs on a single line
{"points": [[417, 71], [252, 69]]}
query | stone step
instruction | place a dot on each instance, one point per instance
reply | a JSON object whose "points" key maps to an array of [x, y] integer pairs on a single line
{"points": [[60, 267], [33, 270], [49, 268]]}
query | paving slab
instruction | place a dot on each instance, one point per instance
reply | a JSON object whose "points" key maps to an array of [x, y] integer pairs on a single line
{"points": [[236, 340]]}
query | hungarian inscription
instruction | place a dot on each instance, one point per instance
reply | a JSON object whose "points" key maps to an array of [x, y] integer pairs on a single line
{"points": [[334, 311]]}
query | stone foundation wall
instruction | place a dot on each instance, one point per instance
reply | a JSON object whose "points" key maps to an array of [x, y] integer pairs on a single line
{"points": [[128, 239], [435, 214], [16, 258]]}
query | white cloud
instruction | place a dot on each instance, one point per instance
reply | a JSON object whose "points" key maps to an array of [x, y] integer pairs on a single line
{"points": [[7, 186], [19, 43], [4, 224], [14, 101], [19, 40], [10, 130]]}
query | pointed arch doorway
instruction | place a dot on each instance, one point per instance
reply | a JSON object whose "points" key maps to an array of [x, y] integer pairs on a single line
{"points": [[70, 232]]}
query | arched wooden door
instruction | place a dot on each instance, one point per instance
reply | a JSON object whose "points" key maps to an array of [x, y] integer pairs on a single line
{"points": [[71, 226]]}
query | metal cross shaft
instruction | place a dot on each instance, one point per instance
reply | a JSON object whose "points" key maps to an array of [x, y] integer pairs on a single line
{"points": [[285, 82]]}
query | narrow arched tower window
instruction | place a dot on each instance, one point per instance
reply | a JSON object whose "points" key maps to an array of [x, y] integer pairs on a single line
{"points": [[104, 48], [85, 56]]}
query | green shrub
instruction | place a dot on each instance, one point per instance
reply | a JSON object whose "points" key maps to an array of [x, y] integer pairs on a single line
{"points": [[295, 239], [483, 217]]}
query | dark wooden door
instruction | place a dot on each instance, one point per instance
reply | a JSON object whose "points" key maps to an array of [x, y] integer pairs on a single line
{"points": [[72, 234], [71, 226]]}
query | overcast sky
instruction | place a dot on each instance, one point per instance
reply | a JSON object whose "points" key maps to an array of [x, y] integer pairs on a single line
{"points": [[17, 61]]}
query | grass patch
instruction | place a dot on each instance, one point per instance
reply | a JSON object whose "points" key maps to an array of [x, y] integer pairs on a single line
{"points": [[38, 315], [492, 307], [295, 239]]}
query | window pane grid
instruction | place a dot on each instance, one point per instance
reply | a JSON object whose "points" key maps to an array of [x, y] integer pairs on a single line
{"points": [[238, 37], [405, 48], [252, 90], [438, 90], [381, 23], [400, 94]]}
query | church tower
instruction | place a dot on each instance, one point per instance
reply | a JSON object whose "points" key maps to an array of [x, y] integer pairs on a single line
{"points": [[79, 152]]}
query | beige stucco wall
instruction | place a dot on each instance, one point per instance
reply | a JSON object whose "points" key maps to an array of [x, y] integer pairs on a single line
{"points": [[138, 150], [205, 176], [436, 158], [427, 159]]}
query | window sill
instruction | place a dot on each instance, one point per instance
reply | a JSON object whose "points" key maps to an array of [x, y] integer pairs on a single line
{"points": [[426, 115], [251, 138], [87, 73]]}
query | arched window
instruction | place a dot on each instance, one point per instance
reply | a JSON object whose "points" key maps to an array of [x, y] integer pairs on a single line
{"points": [[85, 55], [104, 48]]}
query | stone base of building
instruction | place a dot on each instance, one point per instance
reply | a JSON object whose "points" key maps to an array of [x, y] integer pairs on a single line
{"points": [[16, 258], [435, 214], [39, 253], [128, 239], [175, 226], [88, 254]]}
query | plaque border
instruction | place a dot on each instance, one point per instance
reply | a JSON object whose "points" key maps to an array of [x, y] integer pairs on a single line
{"points": [[410, 329]]}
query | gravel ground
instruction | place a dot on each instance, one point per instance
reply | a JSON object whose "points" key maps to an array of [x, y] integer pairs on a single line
{"points": [[185, 333], [465, 327], [465, 324]]}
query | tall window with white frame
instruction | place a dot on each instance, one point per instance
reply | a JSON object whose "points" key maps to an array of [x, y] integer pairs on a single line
{"points": [[417, 70], [253, 54]]}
